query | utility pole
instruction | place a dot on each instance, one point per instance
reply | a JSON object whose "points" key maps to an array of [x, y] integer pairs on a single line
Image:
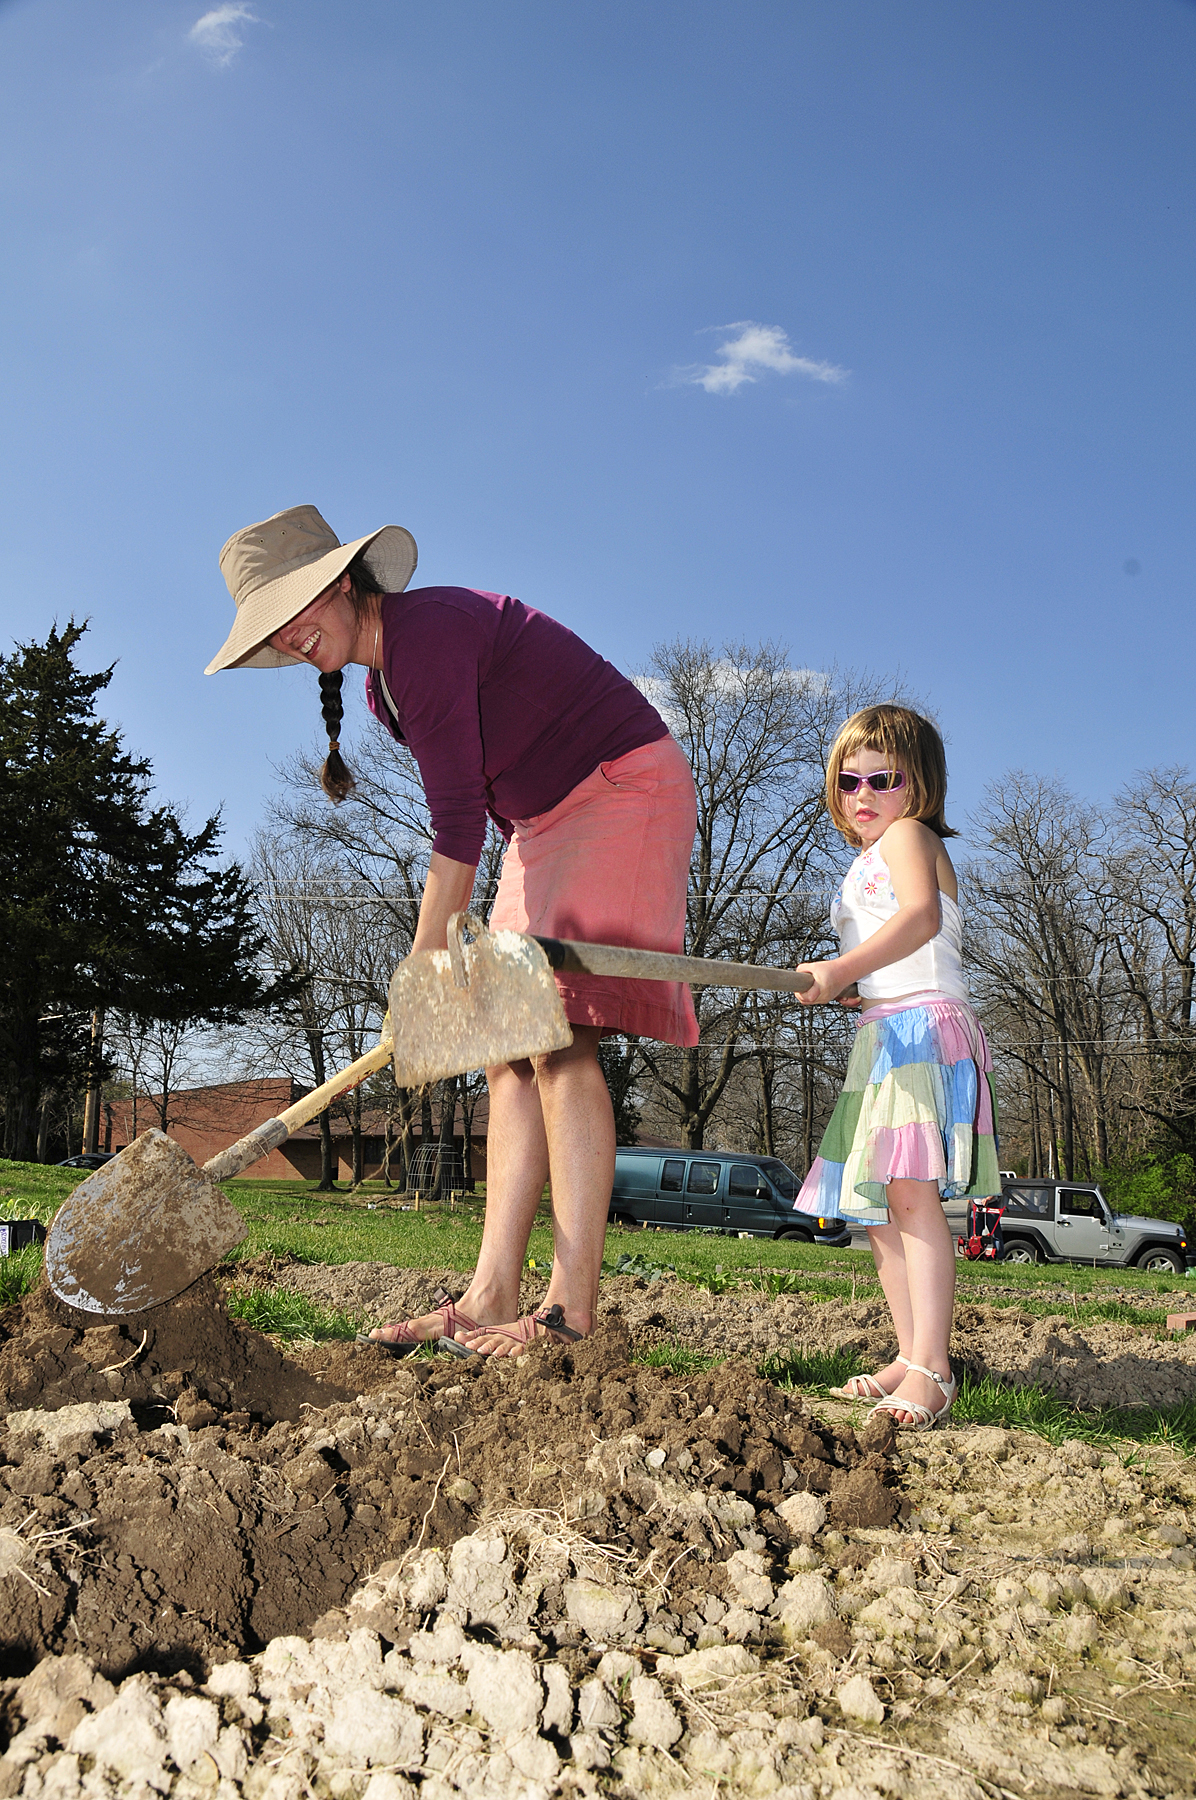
{"points": [[91, 1110]]}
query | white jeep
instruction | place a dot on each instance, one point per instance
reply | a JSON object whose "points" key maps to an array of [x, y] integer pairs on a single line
{"points": [[1070, 1221]]}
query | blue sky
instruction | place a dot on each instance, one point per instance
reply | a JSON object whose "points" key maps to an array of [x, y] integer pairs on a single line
{"points": [[467, 267]]}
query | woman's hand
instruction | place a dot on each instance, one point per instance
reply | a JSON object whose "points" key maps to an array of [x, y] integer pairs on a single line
{"points": [[447, 890], [828, 983]]}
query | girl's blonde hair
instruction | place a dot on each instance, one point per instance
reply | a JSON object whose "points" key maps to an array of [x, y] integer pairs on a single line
{"points": [[908, 742]]}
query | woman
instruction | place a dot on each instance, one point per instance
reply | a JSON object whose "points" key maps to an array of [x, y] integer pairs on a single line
{"points": [[507, 714]]}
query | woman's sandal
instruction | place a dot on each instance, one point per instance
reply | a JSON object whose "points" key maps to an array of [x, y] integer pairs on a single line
{"points": [[925, 1418], [523, 1332], [405, 1340], [865, 1387]]}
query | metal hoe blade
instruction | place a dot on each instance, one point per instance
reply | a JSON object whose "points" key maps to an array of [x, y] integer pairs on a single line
{"points": [[143, 1227], [474, 1004]]}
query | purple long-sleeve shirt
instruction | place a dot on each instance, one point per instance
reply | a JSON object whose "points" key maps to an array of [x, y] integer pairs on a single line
{"points": [[504, 710]]}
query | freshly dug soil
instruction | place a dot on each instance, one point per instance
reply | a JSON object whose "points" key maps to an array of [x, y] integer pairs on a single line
{"points": [[52, 1356], [242, 1496], [331, 1574]]}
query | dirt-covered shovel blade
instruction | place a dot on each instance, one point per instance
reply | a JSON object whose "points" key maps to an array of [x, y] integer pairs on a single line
{"points": [[475, 1004], [149, 1223], [139, 1230]]}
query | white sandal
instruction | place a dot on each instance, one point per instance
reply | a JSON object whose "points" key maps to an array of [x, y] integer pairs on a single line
{"points": [[925, 1418], [869, 1387]]}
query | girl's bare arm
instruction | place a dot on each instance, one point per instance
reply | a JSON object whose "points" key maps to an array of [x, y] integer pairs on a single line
{"points": [[911, 851]]}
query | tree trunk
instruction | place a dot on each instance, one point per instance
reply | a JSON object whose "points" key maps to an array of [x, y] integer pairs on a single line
{"points": [[1035, 1122], [468, 1108], [20, 1130], [315, 1048], [1067, 1109], [389, 1143], [1052, 1168], [805, 1040], [327, 1181], [424, 1176], [767, 1078], [690, 1084], [43, 1125], [406, 1138], [91, 1111], [445, 1168], [355, 1136]]}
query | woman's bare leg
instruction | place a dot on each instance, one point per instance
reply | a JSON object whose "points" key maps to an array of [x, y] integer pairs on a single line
{"points": [[578, 1129], [516, 1170], [560, 1115]]}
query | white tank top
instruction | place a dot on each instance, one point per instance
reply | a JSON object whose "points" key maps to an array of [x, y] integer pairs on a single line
{"points": [[864, 902]]}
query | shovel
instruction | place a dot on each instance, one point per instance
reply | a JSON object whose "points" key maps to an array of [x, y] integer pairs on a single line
{"points": [[500, 985], [150, 1222], [500, 991]]}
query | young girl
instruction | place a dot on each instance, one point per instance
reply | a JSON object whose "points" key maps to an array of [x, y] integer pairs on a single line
{"points": [[915, 1123]]}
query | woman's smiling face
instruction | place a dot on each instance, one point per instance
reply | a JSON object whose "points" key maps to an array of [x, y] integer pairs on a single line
{"points": [[325, 633], [870, 814]]}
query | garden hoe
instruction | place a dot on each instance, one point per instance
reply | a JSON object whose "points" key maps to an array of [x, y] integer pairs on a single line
{"points": [[150, 1222]]}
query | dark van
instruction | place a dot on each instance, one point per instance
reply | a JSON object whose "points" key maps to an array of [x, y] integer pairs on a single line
{"points": [[715, 1190]]}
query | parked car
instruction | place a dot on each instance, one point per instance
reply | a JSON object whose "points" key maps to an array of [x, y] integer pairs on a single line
{"points": [[715, 1190], [1071, 1221], [91, 1159]]}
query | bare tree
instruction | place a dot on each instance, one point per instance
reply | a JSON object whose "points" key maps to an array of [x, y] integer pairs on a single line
{"points": [[302, 915], [1152, 880], [757, 733], [1043, 945], [155, 1057]]}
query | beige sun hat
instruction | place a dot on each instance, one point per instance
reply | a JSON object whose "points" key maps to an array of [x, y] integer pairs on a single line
{"points": [[275, 569]]}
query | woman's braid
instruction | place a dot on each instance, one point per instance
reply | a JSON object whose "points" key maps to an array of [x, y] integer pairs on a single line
{"points": [[335, 777]]}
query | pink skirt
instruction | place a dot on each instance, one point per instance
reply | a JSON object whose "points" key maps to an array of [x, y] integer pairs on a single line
{"points": [[610, 865]]}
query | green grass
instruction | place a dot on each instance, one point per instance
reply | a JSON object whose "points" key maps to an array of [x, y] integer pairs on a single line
{"points": [[35, 1190], [678, 1359], [991, 1402], [325, 1228], [19, 1273], [293, 1218], [628, 1263], [815, 1369], [291, 1316]]}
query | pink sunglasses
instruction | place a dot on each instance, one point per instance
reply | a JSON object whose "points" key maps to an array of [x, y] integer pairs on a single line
{"points": [[882, 781]]}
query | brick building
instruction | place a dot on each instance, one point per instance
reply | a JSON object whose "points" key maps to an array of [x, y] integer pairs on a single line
{"points": [[205, 1120]]}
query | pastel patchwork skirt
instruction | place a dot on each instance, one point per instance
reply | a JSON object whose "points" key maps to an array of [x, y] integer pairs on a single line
{"points": [[917, 1104], [610, 865]]}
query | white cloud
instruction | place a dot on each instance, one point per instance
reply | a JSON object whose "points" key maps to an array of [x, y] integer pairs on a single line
{"points": [[218, 32], [726, 682], [752, 348]]}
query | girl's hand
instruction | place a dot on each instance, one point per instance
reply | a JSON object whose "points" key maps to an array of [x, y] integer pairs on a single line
{"points": [[827, 983]]}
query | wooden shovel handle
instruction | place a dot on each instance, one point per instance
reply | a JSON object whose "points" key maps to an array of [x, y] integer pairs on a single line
{"points": [[657, 965], [264, 1138]]}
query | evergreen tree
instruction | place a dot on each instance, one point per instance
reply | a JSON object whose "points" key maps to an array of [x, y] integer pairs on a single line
{"points": [[105, 901]]}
